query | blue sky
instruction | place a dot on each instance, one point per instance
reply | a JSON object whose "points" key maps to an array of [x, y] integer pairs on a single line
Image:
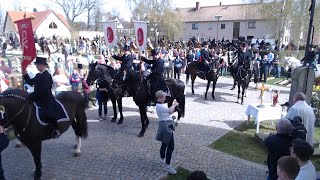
{"points": [[110, 4]]}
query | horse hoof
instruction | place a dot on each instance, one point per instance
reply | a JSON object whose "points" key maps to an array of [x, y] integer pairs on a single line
{"points": [[141, 134], [205, 98], [77, 154], [37, 175], [75, 147], [241, 103], [232, 89], [193, 93], [119, 122], [113, 119]]}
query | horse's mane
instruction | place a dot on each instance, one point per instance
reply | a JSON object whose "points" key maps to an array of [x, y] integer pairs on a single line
{"points": [[16, 93], [106, 69]]}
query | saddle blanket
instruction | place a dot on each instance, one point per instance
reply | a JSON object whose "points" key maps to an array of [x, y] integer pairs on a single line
{"points": [[55, 111]]}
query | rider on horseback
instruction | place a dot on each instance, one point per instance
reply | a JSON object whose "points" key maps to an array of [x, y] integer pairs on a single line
{"points": [[243, 55], [42, 94], [156, 78], [126, 66], [203, 65]]}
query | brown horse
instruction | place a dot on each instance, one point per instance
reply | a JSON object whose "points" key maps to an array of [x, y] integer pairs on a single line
{"points": [[211, 76], [17, 111]]}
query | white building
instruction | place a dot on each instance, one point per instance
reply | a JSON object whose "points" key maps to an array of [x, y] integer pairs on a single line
{"points": [[45, 23], [228, 21]]}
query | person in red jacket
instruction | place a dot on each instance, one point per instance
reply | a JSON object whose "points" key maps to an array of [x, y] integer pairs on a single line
{"points": [[85, 89]]}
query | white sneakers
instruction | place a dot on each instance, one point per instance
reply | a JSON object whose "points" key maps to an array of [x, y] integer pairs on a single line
{"points": [[170, 169]]}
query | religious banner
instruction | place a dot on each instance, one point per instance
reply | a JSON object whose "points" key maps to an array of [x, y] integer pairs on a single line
{"points": [[140, 30], [27, 41], [110, 33]]}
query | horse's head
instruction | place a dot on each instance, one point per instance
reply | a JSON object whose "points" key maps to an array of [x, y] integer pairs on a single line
{"points": [[93, 74], [12, 102]]}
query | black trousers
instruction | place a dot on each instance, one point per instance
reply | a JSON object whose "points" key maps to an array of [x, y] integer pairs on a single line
{"points": [[177, 72], [86, 98], [166, 150]]}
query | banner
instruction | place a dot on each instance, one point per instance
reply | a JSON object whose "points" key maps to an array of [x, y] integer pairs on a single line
{"points": [[27, 41], [140, 30], [110, 33]]}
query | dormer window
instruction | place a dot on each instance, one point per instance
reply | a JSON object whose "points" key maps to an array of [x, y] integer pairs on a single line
{"points": [[52, 25]]}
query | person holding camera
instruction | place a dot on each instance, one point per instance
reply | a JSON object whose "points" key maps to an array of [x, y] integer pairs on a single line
{"points": [[165, 130]]}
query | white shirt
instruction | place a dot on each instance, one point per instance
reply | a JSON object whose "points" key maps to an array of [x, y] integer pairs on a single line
{"points": [[307, 172], [61, 79], [302, 109], [163, 112]]}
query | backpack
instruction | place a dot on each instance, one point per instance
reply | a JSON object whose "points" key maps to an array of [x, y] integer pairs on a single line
{"points": [[298, 129]]}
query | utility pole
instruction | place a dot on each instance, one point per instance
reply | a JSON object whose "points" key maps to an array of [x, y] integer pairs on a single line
{"points": [[309, 40]]}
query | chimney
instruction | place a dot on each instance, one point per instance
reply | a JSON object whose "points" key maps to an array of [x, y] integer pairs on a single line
{"points": [[197, 6], [220, 3]]}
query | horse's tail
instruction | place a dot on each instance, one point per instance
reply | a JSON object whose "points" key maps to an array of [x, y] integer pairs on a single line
{"points": [[182, 104], [81, 118]]}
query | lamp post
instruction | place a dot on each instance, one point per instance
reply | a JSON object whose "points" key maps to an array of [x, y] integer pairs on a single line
{"points": [[217, 17]]}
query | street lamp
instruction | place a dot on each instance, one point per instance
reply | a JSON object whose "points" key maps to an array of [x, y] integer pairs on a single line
{"points": [[218, 18]]}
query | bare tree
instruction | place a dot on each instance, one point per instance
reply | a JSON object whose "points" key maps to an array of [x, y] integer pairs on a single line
{"points": [[72, 8]]}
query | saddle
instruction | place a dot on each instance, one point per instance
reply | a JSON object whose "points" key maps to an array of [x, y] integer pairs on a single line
{"points": [[154, 84], [54, 112]]}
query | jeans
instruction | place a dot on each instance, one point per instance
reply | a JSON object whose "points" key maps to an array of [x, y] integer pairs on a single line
{"points": [[86, 98], [177, 71], [263, 72], [277, 71], [167, 73], [166, 150]]}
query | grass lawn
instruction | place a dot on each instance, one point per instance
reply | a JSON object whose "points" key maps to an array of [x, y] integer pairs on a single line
{"points": [[241, 142], [182, 174]]}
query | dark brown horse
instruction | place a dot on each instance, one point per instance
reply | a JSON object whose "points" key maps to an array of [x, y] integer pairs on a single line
{"points": [[138, 84], [211, 76], [15, 110]]}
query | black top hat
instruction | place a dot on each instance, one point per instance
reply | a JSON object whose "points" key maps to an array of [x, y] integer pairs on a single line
{"points": [[154, 52], [126, 48], [205, 43], [41, 60]]}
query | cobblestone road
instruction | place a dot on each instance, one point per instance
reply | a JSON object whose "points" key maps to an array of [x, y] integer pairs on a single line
{"points": [[115, 152]]}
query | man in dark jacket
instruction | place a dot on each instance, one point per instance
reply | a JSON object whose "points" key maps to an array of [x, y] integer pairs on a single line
{"points": [[42, 94], [4, 141], [126, 66], [278, 145], [204, 61], [157, 70]]}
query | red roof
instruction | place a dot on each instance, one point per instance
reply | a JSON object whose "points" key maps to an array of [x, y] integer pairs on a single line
{"points": [[39, 17]]}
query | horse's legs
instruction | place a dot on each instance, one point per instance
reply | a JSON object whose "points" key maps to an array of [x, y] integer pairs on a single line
{"points": [[238, 99], [242, 94], [193, 78], [114, 106], [214, 82], [78, 146], [144, 120], [208, 85], [119, 101], [35, 149]]}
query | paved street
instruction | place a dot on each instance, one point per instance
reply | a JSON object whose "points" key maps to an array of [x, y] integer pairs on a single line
{"points": [[115, 152]]}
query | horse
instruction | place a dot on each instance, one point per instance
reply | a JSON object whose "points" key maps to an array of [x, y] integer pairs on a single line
{"points": [[139, 87], [103, 74], [243, 77], [211, 76], [17, 111], [232, 62]]}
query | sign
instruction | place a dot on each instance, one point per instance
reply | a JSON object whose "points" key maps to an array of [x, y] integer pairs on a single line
{"points": [[27, 41], [140, 28], [110, 33]]}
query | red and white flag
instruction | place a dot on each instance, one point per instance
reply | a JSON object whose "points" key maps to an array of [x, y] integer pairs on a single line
{"points": [[27, 41], [110, 33], [140, 30]]}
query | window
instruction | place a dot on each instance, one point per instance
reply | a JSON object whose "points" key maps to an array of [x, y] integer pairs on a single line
{"points": [[194, 25], [223, 26], [252, 25], [209, 26], [52, 25], [249, 37]]}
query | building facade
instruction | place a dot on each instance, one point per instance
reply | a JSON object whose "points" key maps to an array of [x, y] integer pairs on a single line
{"points": [[226, 21], [45, 23]]}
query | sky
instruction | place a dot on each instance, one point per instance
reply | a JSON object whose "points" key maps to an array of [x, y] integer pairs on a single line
{"points": [[119, 5]]}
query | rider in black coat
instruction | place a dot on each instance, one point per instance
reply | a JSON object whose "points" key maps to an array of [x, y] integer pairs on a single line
{"points": [[42, 93], [243, 55], [157, 70]]}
